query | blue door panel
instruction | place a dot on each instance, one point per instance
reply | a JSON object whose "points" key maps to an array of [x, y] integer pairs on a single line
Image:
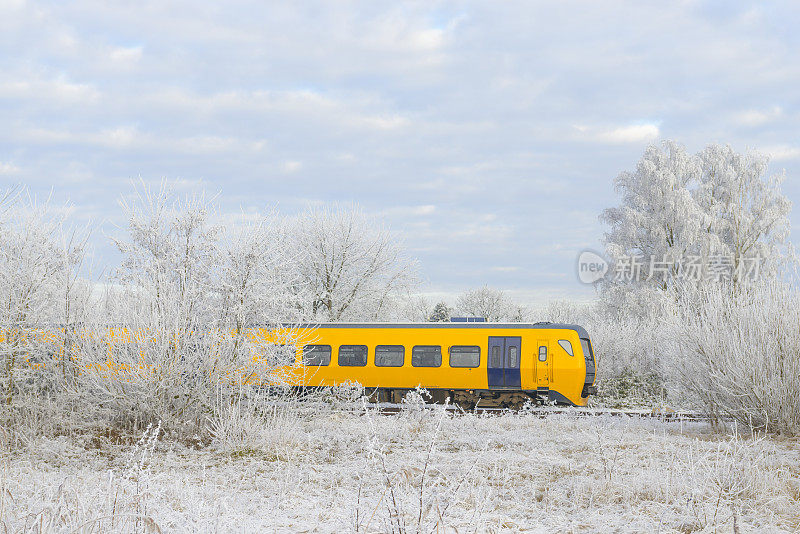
{"points": [[512, 362], [502, 364], [495, 362], [496, 378]]}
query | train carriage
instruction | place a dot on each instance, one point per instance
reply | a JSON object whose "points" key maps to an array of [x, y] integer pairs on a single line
{"points": [[486, 364]]}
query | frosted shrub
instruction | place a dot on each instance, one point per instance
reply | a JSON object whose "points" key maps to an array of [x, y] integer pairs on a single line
{"points": [[186, 290], [39, 260], [630, 360], [242, 425], [630, 351], [740, 353], [346, 393]]}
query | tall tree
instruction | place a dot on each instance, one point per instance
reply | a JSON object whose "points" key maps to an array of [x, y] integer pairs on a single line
{"points": [[658, 216], [745, 208], [489, 303], [39, 260], [350, 265], [677, 208]]}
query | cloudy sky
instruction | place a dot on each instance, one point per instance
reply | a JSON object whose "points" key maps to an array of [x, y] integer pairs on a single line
{"points": [[488, 134]]}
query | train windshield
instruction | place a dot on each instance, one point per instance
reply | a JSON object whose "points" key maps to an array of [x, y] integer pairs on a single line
{"points": [[589, 355], [587, 350]]}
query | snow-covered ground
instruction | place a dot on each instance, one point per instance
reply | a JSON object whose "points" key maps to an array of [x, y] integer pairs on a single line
{"points": [[420, 470]]}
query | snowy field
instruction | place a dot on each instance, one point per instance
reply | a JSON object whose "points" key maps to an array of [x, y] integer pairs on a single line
{"points": [[418, 471]]}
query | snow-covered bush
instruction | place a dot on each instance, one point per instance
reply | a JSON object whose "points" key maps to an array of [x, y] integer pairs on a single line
{"points": [[42, 299], [630, 352], [739, 350], [181, 354], [632, 361]]}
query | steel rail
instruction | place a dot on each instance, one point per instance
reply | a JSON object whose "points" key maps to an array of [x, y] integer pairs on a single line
{"points": [[545, 411]]}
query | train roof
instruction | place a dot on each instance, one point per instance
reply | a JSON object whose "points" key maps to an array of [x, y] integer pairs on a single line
{"points": [[476, 326]]}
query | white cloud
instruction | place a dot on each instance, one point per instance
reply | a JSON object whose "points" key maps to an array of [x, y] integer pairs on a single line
{"points": [[187, 183], [292, 166], [427, 209], [390, 122], [782, 152], [8, 168], [131, 138], [355, 110], [405, 211], [125, 55], [637, 133], [122, 137], [400, 34], [58, 89], [505, 269], [345, 157], [15, 4], [427, 39], [759, 117]]}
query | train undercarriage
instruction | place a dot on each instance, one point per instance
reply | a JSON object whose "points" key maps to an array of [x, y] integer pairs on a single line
{"points": [[469, 399]]}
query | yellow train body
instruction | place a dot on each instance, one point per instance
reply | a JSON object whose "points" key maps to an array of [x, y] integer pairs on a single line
{"points": [[507, 362], [469, 363]]}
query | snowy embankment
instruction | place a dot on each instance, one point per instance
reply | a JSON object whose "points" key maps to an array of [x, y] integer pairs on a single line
{"points": [[415, 471]]}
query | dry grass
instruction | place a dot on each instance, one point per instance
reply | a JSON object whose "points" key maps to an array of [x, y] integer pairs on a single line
{"points": [[418, 471]]}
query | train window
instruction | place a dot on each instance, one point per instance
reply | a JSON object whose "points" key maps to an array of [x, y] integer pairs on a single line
{"points": [[390, 355], [353, 355], [543, 353], [513, 360], [426, 356], [317, 355], [465, 356], [497, 357], [567, 346], [587, 350], [589, 355]]}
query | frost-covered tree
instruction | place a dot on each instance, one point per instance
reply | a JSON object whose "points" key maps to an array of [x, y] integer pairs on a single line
{"points": [[350, 266], [42, 297], [490, 303], [441, 313], [745, 209], [169, 255], [257, 274], [678, 208], [164, 307], [188, 291], [658, 215]]}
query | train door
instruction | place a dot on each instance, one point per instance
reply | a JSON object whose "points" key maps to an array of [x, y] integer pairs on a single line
{"points": [[543, 357], [503, 362]]}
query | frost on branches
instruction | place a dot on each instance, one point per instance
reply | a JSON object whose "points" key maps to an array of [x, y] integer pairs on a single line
{"points": [[727, 342], [676, 206], [350, 267], [164, 338]]}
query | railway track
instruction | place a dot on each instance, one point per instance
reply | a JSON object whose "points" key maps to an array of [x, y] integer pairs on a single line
{"points": [[545, 411]]}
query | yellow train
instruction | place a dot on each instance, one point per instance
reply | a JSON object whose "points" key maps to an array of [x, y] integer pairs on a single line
{"points": [[485, 364]]}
